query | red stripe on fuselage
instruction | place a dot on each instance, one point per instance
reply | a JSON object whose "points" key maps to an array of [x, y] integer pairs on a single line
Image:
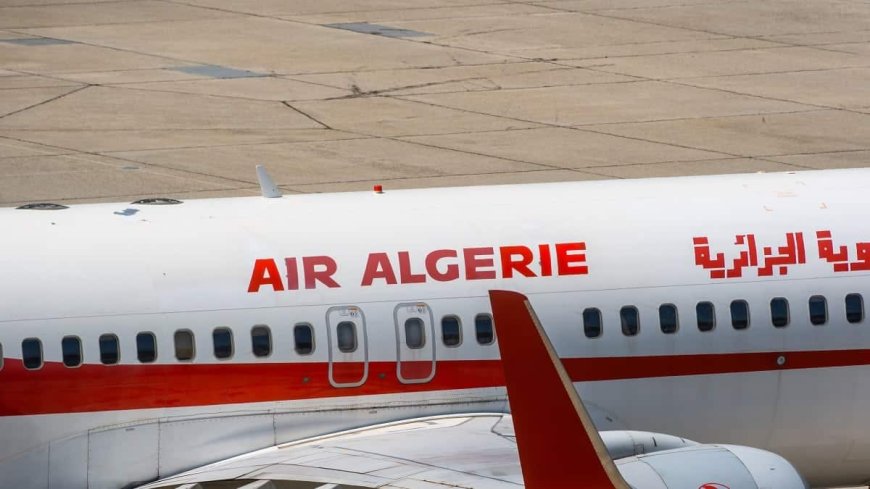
{"points": [[89, 388]]}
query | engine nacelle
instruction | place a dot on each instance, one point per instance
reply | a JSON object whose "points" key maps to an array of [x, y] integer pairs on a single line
{"points": [[626, 443], [710, 467]]}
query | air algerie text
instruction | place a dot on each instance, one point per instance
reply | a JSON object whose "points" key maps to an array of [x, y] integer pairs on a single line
{"points": [[405, 267]]}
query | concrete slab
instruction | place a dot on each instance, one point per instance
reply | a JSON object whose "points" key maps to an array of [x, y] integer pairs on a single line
{"points": [[104, 108], [278, 8], [694, 46], [72, 58], [732, 62], [16, 100], [610, 103], [540, 33], [40, 178], [393, 117], [496, 92], [270, 45], [762, 18], [843, 88], [565, 148], [758, 135], [118, 77], [838, 159], [704, 167], [14, 80], [498, 76], [413, 12], [265, 88], [30, 16], [328, 162], [113, 140], [10, 148]]}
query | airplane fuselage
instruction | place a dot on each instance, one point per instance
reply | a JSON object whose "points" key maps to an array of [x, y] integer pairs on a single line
{"points": [[138, 341]]}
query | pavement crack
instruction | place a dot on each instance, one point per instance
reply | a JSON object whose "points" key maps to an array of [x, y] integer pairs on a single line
{"points": [[52, 99], [306, 114]]}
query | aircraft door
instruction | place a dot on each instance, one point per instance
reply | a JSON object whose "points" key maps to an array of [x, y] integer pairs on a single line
{"points": [[348, 346], [415, 341]]}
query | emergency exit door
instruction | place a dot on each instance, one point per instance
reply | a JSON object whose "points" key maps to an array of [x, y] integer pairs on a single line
{"points": [[415, 342], [348, 346]]}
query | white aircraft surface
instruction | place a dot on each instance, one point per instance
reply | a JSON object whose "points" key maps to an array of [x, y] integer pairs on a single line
{"points": [[142, 341]]}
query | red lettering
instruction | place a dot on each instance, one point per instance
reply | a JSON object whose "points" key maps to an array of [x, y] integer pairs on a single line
{"points": [[378, 266], [432, 259], [546, 260], [475, 259], [265, 273], [405, 270], [324, 275], [568, 255], [508, 264], [292, 274]]}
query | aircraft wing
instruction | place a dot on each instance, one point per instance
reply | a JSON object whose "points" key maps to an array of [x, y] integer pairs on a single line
{"points": [[475, 450]]}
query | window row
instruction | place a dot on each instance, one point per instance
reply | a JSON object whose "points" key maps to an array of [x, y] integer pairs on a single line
{"points": [[223, 345], [705, 315], [146, 346]]}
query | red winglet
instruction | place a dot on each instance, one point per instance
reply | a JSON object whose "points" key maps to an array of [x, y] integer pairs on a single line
{"points": [[558, 444]]}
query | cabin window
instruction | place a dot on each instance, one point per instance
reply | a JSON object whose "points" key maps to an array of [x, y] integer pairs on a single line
{"points": [[706, 315], [146, 347], [668, 319], [483, 329], [630, 320], [779, 312], [71, 349], [346, 333], [739, 314], [222, 338], [818, 310], [31, 353], [109, 350], [184, 345], [261, 341], [591, 322], [854, 308], [303, 338], [415, 334], [451, 331]]}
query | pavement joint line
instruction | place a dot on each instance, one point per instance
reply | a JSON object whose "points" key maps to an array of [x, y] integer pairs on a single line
{"points": [[415, 177], [83, 156], [586, 129], [64, 4], [692, 161], [732, 92], [129, 160], [762, 73], [303, 113], [231, 145], [124, 50], [52, 99], [124, 86], [344, 12], [678, 119]]}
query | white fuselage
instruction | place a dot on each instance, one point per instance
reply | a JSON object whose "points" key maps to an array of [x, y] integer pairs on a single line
{"points": [[379, 273]]}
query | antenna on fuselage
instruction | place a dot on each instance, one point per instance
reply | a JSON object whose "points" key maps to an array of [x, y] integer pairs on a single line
{"points": [[267, 186]]}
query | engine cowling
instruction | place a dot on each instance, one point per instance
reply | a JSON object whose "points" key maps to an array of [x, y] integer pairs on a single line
{"points": [[710, 467]]}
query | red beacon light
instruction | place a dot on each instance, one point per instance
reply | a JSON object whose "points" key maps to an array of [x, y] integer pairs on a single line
{"points": [[378, 189]]}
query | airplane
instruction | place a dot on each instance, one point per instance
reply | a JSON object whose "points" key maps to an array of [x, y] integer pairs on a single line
{"points": [[142, 340]]}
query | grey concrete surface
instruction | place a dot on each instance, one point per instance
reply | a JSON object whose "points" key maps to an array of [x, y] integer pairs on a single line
{"points": [[106, 100]]}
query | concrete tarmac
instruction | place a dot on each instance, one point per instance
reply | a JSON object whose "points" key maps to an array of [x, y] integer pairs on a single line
{"points": [[104, 100]]}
